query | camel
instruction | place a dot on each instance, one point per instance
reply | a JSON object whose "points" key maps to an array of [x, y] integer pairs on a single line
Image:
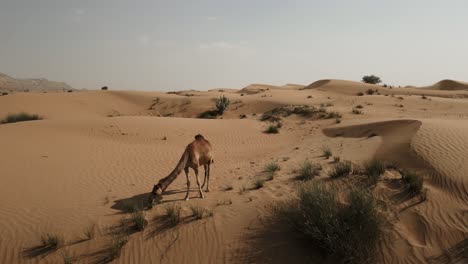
{"points": [[196, 154]]}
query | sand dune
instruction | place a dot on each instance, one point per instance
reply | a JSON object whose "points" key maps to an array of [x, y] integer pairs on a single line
{"points": [[448, 85], [95, 151]]}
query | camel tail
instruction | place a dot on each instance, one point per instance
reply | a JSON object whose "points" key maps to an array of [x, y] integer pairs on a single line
{"points": [[165, 182]]}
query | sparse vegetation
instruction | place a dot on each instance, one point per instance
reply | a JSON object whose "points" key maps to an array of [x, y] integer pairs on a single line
{"points": [[173, 215], [272, 167], [116, 246], [308, 171], [371, 91], [4, 93], [222, 104], [356, 111], [336, 159], [258, 183], [338, 120], [209, 114], [272, 129], [138, 220], [21, 117], [351, 232], [89, 232], [301, 110], [242, 190], [359, 106], [67, 259], [104, 88], [372, 79], [423, 97], [51, 241], [270, 176], [360, 94], [413, 181], [229, 188], [374, 169], [340, 169], [326, 152], [199, 212]]}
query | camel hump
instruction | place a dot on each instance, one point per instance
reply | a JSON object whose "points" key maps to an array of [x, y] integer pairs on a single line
{"points": [[198, 137]]}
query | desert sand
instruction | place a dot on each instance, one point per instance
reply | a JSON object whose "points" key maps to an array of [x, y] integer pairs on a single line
{"points": [[95, 151]]}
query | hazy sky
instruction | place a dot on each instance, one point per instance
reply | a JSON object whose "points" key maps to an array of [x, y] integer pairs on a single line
{"points": [[173, 45]]}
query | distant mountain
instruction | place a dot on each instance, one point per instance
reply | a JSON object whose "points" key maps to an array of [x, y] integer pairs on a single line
{"points": [[10, 84]]}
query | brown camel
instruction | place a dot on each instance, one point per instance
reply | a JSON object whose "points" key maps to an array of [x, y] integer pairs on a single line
{"points": [[196, 154]]}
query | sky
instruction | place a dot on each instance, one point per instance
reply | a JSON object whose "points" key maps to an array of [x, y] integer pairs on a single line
{"points": [[205, 44]]}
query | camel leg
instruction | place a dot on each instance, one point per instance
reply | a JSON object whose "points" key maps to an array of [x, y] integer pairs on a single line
{"points": [[204, 179], [186, 169], [198, 183], [208, 178]]}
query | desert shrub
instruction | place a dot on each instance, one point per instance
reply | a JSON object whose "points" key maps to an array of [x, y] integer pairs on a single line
{"points": [[336, 159], [89, 232], [173, 215], [242, 190], [199, 212], [138, 220], [272, 129], [360, 94], [326, 152], [374, 169], [338, 120], [258, 183], [340, 169], [350, 232], [308, 171], [326, 104], [229, 188], [329, 115], [21, 117], [371, 91], [104, 88], [67, 259], [270, 175], [423, 97], [209, 114], [4, 93], [51, 241], [356, 111], [222, 104], [413, 181], [115, 248], [359, 106], [372, 79], [272, 167]]}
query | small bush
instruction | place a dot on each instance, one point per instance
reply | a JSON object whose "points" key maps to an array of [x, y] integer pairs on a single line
{"points": [[116, 246], [272, 129], [308, 171], [350, 232], [222, 104], [198, 212], [104, 88], [371, 91], [329, 115], [229, 188], [67, 259], [374, 169], [340, 169], [356, 111], [258, 183], [51, 241], [272, 167], [21, 117], [4, 93], [413, 181], [138, 220], [270, 175], [423, 97], [173, 215], [336, 159], [338, 120], [360, 94], [359, 106], [327, 153]]}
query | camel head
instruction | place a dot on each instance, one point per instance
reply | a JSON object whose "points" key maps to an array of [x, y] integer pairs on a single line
{"points": [[156, 194]]}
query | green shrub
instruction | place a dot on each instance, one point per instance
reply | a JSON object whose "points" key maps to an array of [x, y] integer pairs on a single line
{"points": [[118, 242], [308, 171], [327, 153], [374, 169], [173, 215], [372, 79], [21, 117], [413, 181], [222, 104], [272, 129], [258, 183], [51, 241], [272, 167], [341, 169], [350, 232], [138, 220], [199, 212]]}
